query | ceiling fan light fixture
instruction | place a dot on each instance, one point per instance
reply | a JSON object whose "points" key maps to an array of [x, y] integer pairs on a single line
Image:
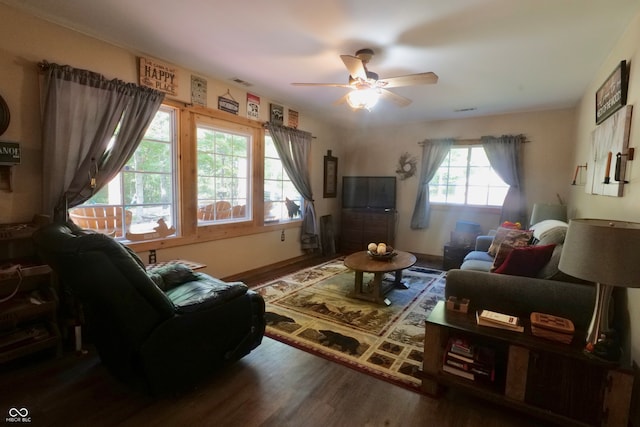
{"points": [[363, 99]]}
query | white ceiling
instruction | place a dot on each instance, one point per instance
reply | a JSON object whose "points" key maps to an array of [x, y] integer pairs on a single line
{"points": [[495, 56]]}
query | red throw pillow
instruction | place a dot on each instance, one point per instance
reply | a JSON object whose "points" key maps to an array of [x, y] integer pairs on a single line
{"points": [[526, 261]]}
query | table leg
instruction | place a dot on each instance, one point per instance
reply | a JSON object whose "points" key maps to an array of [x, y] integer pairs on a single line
{"points": [[358, 283], [398, 280]]}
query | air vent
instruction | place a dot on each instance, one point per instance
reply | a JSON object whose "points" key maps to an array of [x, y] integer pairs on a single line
{"points": [[240, 81], [462, 110]]}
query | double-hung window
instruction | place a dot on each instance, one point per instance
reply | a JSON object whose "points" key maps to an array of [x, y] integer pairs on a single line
{"points": [[282, 202], [466, 177], [224, 172], [144, 191]]}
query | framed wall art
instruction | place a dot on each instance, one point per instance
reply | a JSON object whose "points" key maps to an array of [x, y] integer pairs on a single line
{"points": [[276, 114], [330, 176], [612, 95]]}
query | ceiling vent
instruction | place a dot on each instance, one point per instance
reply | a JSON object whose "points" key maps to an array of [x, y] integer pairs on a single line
{"points": [[240, 81]]}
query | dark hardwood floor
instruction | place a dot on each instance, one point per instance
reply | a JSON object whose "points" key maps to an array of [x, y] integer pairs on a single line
{"points": [[275, 385]]}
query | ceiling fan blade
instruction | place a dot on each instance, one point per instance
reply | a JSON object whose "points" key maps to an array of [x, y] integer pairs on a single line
{"points": [[400, 101], [355, 67], [322, 84], [409, 80]]}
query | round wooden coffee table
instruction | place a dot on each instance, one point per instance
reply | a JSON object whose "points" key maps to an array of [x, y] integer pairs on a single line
{"points": [[361, 262]]}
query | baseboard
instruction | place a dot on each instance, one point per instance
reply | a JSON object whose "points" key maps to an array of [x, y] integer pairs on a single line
{"points": [[269, 269], [432, 259]]}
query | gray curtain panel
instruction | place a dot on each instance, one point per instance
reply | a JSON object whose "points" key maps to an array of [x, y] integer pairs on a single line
{"points": [[293, 147], [504, 156], [81, 110], [433, 154]]}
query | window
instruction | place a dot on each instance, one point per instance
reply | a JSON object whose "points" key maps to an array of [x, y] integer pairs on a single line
{"points": [[144, 190], [282, 202], [465, 177], [224, 169]]}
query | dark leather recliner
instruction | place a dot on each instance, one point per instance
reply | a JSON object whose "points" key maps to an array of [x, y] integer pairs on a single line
{"points": [[166, 329]]}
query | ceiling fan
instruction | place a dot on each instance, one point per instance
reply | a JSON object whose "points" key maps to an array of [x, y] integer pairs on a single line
{"points": [[366, 87]]}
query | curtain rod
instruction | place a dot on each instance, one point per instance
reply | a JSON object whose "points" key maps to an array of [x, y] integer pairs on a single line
{"points": [[468, 141], [264, 125]]}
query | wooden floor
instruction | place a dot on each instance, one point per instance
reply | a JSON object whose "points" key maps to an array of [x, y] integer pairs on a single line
{"points": [[275, 385]]}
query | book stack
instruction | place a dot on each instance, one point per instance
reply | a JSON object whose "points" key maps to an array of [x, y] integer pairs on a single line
{"points": [[475, 363], [499, 320]]}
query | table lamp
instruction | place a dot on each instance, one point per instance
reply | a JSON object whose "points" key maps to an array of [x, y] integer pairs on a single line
{"points": [[605, 252], [542, 211]]}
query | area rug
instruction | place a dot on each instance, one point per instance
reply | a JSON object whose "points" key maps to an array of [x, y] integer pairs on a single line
{"points": [[309, 310]]}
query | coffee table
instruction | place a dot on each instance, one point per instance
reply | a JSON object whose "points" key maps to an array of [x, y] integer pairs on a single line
{"points": [[361, 262]]}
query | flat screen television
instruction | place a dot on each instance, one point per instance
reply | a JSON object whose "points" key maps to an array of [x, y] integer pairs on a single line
{"points": [[372, 192]]}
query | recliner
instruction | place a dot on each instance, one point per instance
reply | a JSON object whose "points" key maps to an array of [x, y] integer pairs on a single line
{"points": [[167, 339]]}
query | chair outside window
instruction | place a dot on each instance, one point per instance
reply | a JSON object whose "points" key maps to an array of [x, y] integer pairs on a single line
{"points": [[103, 219]]}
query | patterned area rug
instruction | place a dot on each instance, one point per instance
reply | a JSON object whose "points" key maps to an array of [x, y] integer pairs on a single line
{"points": [[309, 310]]}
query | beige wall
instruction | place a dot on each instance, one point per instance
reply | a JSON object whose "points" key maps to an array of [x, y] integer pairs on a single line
{"points": [[547, 166], [25, 41], [627, 208]]}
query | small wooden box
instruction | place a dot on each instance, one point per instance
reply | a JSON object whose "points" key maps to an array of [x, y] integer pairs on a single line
{"points": [[552, 327], [458, 304]]}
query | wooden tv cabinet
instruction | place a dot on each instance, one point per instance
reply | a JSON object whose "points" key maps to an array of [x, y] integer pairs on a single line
{"points": [[359, 227], [553, 381]]}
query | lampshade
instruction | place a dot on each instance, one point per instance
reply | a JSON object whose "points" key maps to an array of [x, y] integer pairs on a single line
{"points": [[542, 211], [603, 251], [359, 99], [606, 252]]}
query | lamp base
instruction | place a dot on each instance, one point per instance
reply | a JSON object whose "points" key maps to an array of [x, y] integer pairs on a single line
{"points": [[600, 319], [602, 341]]}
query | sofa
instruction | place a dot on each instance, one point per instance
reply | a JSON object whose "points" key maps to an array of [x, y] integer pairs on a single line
{"points": [[162, 330], [541, 288]]}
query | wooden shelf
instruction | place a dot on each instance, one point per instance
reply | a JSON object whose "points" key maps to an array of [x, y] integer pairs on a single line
{"points": [[28, 318], [550, 380]]}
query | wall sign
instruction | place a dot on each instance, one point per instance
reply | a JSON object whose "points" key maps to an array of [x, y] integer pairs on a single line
{"points": [[612, 95], [158, 76], [293, 119], [9, 153], [330, 176], [198, 91], [277, 114], [228, 104], [253, 106]]}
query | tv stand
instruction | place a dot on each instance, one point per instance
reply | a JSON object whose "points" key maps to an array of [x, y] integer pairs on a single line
{"points": [[359, 227]]}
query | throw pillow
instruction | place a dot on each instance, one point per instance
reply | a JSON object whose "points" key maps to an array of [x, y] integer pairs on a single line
{"points": [[549, 228], [169, 276], [526, 261], [555, 235], [513, 237], [503, 251]]}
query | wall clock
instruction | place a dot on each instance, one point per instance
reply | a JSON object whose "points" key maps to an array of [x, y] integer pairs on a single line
{"points": [[5, 116], [406, 166]]}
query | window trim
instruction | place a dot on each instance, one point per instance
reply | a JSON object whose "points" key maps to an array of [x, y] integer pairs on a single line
{"points": [[186, 189]]}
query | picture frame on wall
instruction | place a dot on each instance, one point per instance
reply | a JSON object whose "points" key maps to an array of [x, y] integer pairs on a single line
{"points": [[276, 114], [612, 95], [330, 176]]}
